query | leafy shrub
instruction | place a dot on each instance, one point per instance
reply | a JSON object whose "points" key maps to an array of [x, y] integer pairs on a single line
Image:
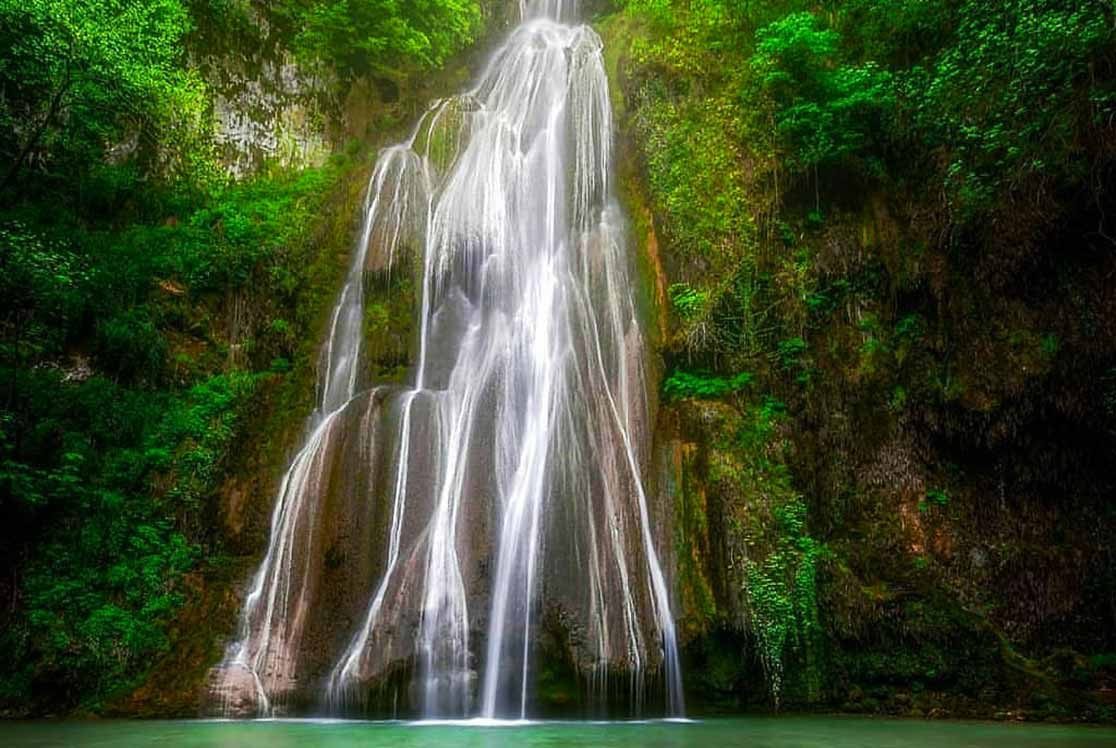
{"points": [[362, 36], [688, 302], [977, 99], [824, 110], [90, 73], [935, 497], [129, 345], [681, 385]]}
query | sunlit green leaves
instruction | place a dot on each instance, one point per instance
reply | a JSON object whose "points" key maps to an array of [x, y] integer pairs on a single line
{"points": [[681, 384], [381, 36], [824, 110], [84, 77], [688, 302]]}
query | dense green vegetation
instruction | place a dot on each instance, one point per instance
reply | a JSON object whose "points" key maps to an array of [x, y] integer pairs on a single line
{"points": [[123, 398], [150, 306], [360, 36], [893, 215]]}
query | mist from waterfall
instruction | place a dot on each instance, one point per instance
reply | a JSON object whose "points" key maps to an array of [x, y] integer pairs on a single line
{"points": [[498, 499]]}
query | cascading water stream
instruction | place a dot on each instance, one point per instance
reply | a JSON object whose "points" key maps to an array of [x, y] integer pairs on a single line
{"points": [[506, 480]]}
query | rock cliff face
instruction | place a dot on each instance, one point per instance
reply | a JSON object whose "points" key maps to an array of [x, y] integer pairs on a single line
{"points": [[274, 110], [845, 539]]}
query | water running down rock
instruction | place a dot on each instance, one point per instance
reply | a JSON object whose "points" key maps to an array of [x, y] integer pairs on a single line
{"points": [[501, 493]]}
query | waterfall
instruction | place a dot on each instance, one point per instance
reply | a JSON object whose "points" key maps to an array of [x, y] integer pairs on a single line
{"points": [[498, 499]]}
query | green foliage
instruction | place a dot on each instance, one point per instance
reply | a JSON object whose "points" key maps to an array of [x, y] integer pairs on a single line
{"points": [[130, 346], [104, 578], [782, 595], [67, 464], [688, 302], [97, 607], [203, 425], [790, 352], [99, 100], [824, 110], [40, 282], [776, 558], [681, 385], [245, 232], [793, 359], [977, 99], [82, 76], [1049, 345], [381, 36], [895, 33], [935, 497], [108, 463], [694, 173]]}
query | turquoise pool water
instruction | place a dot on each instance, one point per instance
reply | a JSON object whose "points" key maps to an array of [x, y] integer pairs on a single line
{"points": [[755, 732]]}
